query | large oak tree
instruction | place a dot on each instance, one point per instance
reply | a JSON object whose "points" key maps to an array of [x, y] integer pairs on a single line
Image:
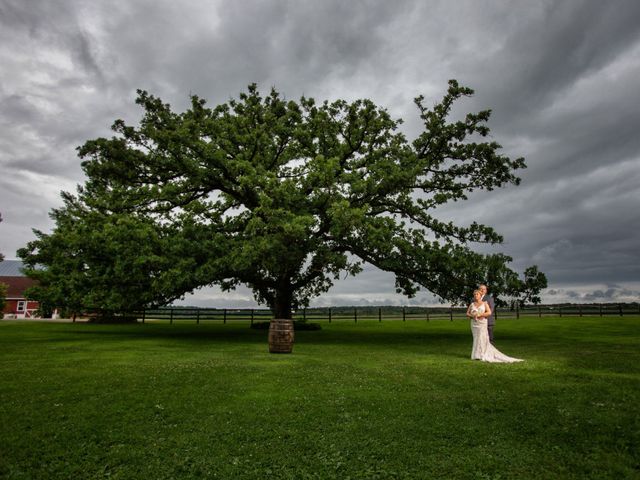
{"points": [[279, 195]]}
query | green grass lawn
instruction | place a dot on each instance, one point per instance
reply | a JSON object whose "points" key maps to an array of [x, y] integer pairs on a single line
{"points": [[386, 400]]}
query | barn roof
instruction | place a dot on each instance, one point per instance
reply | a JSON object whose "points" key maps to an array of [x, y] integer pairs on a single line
{"points": [[11, 268]]}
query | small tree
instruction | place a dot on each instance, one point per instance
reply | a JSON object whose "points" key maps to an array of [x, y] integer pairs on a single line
{"points": [[279, 195]]}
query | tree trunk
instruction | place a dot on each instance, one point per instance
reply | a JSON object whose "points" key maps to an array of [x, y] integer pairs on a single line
{"points": [[282, 304], [281, 332]]}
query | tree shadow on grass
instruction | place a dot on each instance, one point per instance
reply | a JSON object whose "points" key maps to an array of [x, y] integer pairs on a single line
{"points": [[181, 333], [230, 333], [577, 349]]}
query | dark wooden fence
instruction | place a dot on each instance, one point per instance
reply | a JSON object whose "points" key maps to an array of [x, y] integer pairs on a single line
{"points": [[355, 314], [590, 309]]}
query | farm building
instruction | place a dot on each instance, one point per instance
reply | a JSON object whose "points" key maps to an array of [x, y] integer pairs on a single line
{"points": [[17, 306]]}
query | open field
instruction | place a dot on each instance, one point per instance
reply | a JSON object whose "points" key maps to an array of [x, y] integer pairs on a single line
{"points": [[369, 400]]}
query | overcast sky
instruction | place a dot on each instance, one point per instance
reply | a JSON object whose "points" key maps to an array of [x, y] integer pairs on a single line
{"points": [[560, 76]]}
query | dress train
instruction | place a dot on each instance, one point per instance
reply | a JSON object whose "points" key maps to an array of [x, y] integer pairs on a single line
{"points": [[483, 349]]}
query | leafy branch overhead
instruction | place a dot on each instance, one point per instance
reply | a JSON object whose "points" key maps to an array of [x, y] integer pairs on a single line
{"points": [[285, 197]]}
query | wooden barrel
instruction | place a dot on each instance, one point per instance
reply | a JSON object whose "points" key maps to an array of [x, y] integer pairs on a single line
{"points": [[281, 335]]}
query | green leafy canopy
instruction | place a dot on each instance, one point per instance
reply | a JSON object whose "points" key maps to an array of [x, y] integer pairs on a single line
{"points": [[279, 195]]}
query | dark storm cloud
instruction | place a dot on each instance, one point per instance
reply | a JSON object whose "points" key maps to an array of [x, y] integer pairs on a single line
{"points": [[564, 94], [53, 24], [216, 52], [548, 47], [18, 109], [560, 77], [46, 67], [612, 293]]}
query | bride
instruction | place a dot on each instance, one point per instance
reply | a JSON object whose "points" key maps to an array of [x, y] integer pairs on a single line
{"points": [[482, 349]]}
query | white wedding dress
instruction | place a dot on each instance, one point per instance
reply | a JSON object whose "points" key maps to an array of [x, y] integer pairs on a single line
{"points": [[482, 348]]}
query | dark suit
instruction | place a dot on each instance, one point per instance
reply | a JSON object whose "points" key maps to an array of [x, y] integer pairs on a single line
{"points": [[491, 319]]}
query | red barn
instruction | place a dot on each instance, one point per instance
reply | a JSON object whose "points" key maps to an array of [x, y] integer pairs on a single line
{"points": [[17, 306]]}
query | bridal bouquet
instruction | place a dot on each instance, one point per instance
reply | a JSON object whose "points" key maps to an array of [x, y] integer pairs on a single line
{"points": [[474, 312]]}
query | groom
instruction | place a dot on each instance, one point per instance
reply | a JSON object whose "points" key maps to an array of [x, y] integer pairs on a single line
{"points": [[491, 319]]}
